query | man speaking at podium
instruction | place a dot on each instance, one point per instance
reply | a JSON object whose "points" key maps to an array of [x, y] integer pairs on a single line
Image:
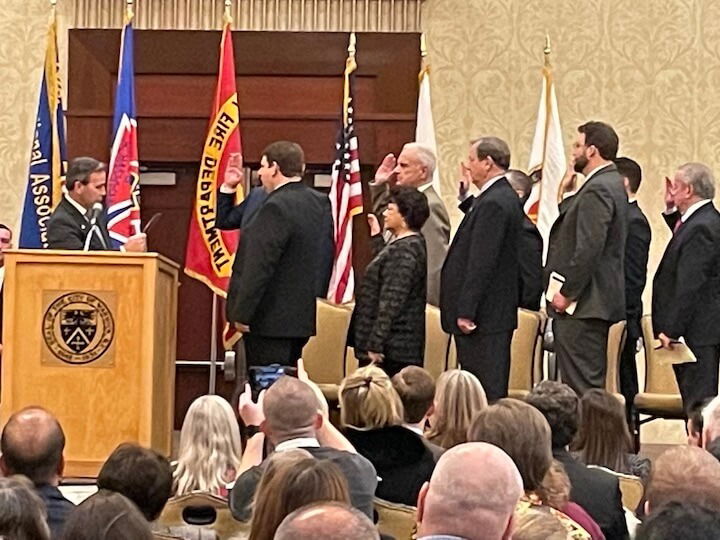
{"points": [[78, 221]]}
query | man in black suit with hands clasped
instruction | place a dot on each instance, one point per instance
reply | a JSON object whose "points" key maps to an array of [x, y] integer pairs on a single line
{"points": [[686, 288], [479, 280]]}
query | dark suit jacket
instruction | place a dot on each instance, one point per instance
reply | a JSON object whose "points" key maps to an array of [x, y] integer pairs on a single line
{"points": [[480, 275], [58, 508], [530, 244], [587, 247], [68, 229], [598, 492], [436, 232], [358, 471], [686, 288], [283, 260], [637, 246], [230, 216]]}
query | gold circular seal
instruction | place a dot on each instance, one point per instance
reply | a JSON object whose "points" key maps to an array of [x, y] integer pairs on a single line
{"points": [[78, 328]]}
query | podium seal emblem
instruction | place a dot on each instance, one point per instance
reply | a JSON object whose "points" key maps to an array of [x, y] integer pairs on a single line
{"points": [[78, 328]]}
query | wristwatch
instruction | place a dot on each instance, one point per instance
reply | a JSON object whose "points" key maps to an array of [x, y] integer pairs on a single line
{"points": [[251, 431]]}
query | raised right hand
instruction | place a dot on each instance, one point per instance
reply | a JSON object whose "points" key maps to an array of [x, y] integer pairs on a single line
{"points": [[465, 180], [375, 228], [385, 170], [234, 171], [669, 195]]}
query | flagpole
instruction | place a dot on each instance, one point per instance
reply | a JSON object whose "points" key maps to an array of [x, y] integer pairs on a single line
{"points": [[129, 13]]}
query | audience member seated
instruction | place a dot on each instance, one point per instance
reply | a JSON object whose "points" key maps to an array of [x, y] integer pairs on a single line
{"points": [[538, 526], [684, 474], [458, 398], [293, 485], [327, 521], [32, 444], [289, 415], [603, 437], [714, 448], [371, 414], [597, 491], [22, 512], [106, 515], [141, 474], [524, 434], [472, 495], [711, 421], [210, 448], [695, 422], [416, 389], [678, 520]]}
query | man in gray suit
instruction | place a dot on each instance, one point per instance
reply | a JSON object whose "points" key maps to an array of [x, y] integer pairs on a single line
{"points": [[587, 250], [414, 167]]}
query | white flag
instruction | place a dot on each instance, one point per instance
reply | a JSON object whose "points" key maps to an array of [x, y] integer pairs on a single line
{"points": [[547, 161], [425, 128]]}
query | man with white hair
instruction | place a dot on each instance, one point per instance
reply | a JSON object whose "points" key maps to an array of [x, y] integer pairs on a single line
{"points": [[414, 167], [472, 495], [326, 521], [686, 288]]}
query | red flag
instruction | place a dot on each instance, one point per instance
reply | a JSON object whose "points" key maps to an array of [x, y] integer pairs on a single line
{"points": [[210, 252]]}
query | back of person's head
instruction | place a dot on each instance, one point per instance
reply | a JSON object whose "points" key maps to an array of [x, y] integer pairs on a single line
{"points": [[555, 488], [288, 156], [711, 421], [416, 389], [293, 485], [603, 137], [291, 410], [559, 405], [679, 519], [628, 168], [22, 512], [459, 395], [368, 400], [106, 515], [141, 474], [695, 421], [520, 182], [326, 521], [32, 444], [412, 206], [472, 494], [538, 525], [210, 448], [684, 473], [603, 438], [713, 448], [522, 432]]}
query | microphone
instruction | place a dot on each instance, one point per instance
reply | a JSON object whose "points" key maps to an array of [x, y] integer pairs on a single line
{"points": [[94, 213]]}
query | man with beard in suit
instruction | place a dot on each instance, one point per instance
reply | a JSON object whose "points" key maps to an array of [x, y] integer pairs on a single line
{"points": [[414, 167], [479, 283], [637, 246], [686, 288], [75, 218], [586, 252]]}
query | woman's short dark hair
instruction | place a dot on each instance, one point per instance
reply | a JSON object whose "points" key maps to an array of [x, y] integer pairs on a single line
{"points": [[141, 474], [602, 136], [412, 205], [107, 515], [80, 170], [289, 157], [680, 520], [559, 404], [522, 432]]}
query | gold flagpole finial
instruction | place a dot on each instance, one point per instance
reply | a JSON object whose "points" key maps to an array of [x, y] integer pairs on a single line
{"points": [[129, 9], [423, 46], [227, 14], [351, 45], [547, 50], [53, 3]]}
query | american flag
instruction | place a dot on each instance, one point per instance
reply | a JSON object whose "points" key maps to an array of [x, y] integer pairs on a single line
{"points": [[345, 192]]}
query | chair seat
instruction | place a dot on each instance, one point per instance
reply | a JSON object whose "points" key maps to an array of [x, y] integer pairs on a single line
{"points": [[518, 393], [665, 405]]}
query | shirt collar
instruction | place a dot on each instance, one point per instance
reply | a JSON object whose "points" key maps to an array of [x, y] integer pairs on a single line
{"points": [[595, 170], [2, 276], [490, 182], [693, 208], [414, 429], [425, 187], [300, 442], [632, 200], [80, 208]]}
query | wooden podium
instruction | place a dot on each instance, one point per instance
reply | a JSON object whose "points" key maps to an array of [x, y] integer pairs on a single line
{"points": [[91, 337]]}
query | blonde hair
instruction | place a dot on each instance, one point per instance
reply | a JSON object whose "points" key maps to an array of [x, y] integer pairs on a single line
{"points": [[458, 398], [555, 487], [210, 447], [368, 400]]}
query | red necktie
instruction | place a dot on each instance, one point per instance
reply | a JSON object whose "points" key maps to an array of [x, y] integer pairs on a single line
{"points": [[678, 224]]}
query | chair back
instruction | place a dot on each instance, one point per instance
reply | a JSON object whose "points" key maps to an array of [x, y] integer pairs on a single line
{"points": [[452, 361], [178, 512], [436, 342], [324, 354], [396, 520], [659, 378], [523, 355], [615, 345], [631, 488]]}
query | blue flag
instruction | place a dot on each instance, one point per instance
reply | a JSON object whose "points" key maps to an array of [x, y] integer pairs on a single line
{"points": [[47, 157]]}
